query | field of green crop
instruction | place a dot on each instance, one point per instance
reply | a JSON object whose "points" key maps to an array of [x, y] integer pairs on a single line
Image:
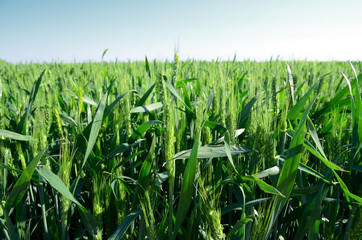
{"points": [[181, 150]]}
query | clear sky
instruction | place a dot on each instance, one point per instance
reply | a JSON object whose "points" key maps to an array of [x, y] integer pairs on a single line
{"points": [[80, 30]]}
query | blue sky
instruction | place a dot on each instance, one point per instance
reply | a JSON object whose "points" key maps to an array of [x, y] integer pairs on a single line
{"points": [[69, 31]]}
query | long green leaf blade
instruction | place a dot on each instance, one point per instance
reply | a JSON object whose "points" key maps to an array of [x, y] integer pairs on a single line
{"points": [[143, 128], [1, 89], [122, 228], [15, 136], [174, 92], [147, 108], [22, 184], [21, 127], [290, 76], [244, 114], [297, 108], [110, 107], [145, 96], [96, 126], [345, 189], [146, 166], [289, 170], [211, 151], [264, 186], [187, 187], [228, 151], [56, 183]]}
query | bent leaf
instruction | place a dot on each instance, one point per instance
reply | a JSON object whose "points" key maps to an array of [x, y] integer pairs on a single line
{"points": [[211, 151], [56, 183], [147, 108]]}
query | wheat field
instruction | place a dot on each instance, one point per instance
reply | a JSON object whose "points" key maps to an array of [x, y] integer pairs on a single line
{"points": [[181, 150]]}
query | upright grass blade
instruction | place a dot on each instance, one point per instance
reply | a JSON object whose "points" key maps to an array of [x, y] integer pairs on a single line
{"points": [[22, 184], [1, 89], [349, 85], [143, 191], [289, 170], [145, 171], [187, 100], [228, 151], [209, 100], [297, 108], [290, 76], [14, 135], [357, 121], [310, 219], [145, 96], [315, 137], [244, 114], [104, 53], [356, 106], [43, 211], [21, 127], [95, 127], [336, 101], [187, 187], [111, 106], [10, 231], [148, 70]]}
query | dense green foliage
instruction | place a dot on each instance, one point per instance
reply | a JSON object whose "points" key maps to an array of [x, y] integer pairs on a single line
{"points": [[181, 150]]}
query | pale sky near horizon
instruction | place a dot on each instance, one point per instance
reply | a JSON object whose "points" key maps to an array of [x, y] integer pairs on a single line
{"points": [[69, 31]]}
